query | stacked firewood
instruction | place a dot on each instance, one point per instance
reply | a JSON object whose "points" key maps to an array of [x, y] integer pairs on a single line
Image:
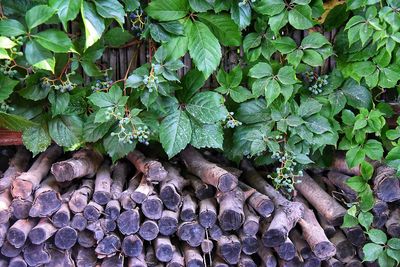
{"points": [[85, 211]]}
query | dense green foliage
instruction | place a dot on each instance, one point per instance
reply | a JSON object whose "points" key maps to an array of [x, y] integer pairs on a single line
{"points": [[278, 105]]}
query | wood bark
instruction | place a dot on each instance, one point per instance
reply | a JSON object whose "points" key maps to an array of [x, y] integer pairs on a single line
{"points": [[168, 223], [114, 261], [151, 169], [207, 246], [208, 212], [192, 256], [171, 188], [17, 261], [189, 207], [81, 197], [139, 261], [142, 191], [231, 214], [16, 166], [86, 239], [85, 257], [386, 185], [177, 259], [250, 243], [201, 190], [125, 199], [246, 261], [259, 202], [344, 249], [24, 185], [286, 251], [339, 180], [3, 232], [102, 186], [113, 209], [9, 250], [152, 207], [329, 229], [5, 206], [18, 232], [42, 231], [208, 172], [60, 258], [381, 213], [47, 198], [355, 235], [132, 246], [229, 248], [84, 163], [119, 176], [301, 245], [20, 207], [393, 223], [149, 230], [332, 262], [251, 223]]}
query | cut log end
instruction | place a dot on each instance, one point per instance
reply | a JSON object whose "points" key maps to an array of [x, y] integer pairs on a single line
{"points": [[132, 246], [101, 198], [227, 182], [62, 171], [65, 238], [324, 250], [273, 237]]}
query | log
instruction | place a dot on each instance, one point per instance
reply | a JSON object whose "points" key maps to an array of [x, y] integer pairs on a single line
{"points": [[119, 176], [386, 185], [151, 169], [125, 199], [312, 262], [47, 198], [152, 207], [79, 222], [339, 164], [149, 230], [344, 249], [108, 246], [251, 224], [24, 185], [201, 190], [231, 214], [215, 232], [250, 243], [295, 262], [246, 261], [150, 256], [128, 222], [62, 217], [191, 232], [144, 189], [42, 231], [113, 209], [137, 261], [355, 235], [36, 255], [16, 166], [381, 213], [393, 223], [3, 232], [329, 229], [81, 197], [302, 247], [177, 259], [163, 249], [65, 238], [9, 250], [340, 181], [354, 263], [218, 262], [5, 206], [332, 262], [286, 251], [114, 261], [97, 229], [207, 246], [267, 257], [92, 211], [86, 239], [17, 261], [102, 187], [259, 202], [326, 205], [192, 257], [208, 212], [60, 258], [132, 246], [84, 163], [168, 223], [189, 207], [20, 207], [3, 263], [18, 232], [287, 213], [85, 257], [171, 188], [208, 172], [107, 225], [229, 248]]}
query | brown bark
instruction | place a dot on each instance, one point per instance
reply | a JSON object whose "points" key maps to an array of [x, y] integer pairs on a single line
{"points": [[192, 256], [163, 249], [201, 190], [171, 188], [339, 164], [16, 166], [229, 248], [191, 232], [62, 217], [102, 186], [81, 197], [66, 237], [128, 222], [152, 207], [142, 191], [329, 229], [152, 170], [24, 185], [231, 214], [177, 259], [18, 232], [339, 180], [132, 246], [168, 223], [119, 177], [393, 223], [5, 206], [302, 247], [47, 198], [3, 232], [125, 199], [149, 230], [344, 249], [84, 163], [251, 223], [259, 202], [42, 231], [287, 213], [208, 212], [189, 207], [108, 246], [208, 172]]}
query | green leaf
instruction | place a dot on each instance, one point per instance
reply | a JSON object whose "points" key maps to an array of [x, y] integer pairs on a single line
{"points": [[116, 149], [39, 57], [131, 5], [269, 7], [337, 101], [59, 102], [112, 98], [94, 24], [92, 132], [54, 40], [66, 9], [200, 5], [111, 9], [176, 47], [260, 70], [367, 170], [4, 54], [14, 122], [357, 95], [377, 236], [38, 15], [356, 183], [223, 27], [349, 221], [312, 58], [204, 48], [394, 243], [7, 87], [303, 159], [300, 17], [355, 156], [285, 44], [175, 132], [167, 10], [240, 94], [272, 90], [348, 117], [318, 124], [6, 42], [394, 254], [11, 27], [207, 135], [207, 107], [36, 139], [372, 251], [309, 107], [66, 131], [373, 149], [365, 219], [241, 15], [287, 75], [314, 40]]}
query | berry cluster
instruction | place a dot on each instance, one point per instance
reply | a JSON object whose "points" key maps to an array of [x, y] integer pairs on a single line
{"points": [[5, 107], [316, 83], [284, 175], [102, 85], [7, 69], [151, 82], [231, 122], [137, 19], [63, 87]]}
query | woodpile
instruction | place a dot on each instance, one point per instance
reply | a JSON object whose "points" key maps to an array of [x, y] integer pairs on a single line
{"points": [[81, 210]]}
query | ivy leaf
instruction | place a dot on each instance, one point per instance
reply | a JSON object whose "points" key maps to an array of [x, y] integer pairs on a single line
{"points": [[357, 183], [240, 94], [116, 149], [355, 156], [200, 5], [175, 132], [318, 124], [373, 149], [372, 251], [15, 122], [11, 27], [394, 243], [204, 48], [367, 170], [207, 107], [357, 95], [111, 9], [38, 15], [285, 44], [309, 107], [59, 102], [167, 10], [338, 102], [377, 236], [303, 159], [349, 221], [260, 70], [92, 132], [39, 57], [365, 219], [36, 139], [394, 254], [272, 90], [112, 98], [269, 7], [207, 135], [312, 58], [117, 37], [223, 27], [66, 131], [94, 24], [7, 87], [66, 9], [241, 15], [287, 75], [54, 40], [300, 17], [314, 40]]}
